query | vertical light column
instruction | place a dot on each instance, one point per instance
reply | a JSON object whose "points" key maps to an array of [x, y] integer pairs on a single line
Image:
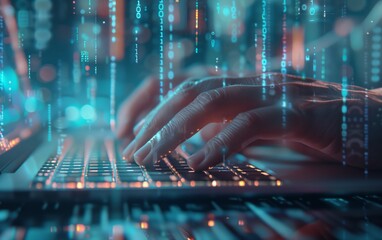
{"points": [[161, 50], [283, 65], [170, 54], [264, 61], [323, 51], [344, 93], [113, 39], [196, 26], [138, 15], [117, 48], [2, 93]]}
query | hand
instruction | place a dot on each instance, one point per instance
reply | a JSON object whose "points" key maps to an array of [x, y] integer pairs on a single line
{"points": [[254, 108], [146, 97]]}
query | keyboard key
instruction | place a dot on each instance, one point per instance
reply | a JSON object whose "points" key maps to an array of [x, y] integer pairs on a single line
{"points": [[195, 176], [62, 179], [224, 176], [132, 178], [99, 178], [164, 178]]}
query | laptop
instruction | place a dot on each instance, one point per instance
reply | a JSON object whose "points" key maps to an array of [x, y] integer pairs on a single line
{"points": [[88, 166], [39, 161]]}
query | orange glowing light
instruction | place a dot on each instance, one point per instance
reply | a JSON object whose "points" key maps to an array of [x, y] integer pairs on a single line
{"points": [[145, 184], [80, 185], [158, 184], [214, 183], [71, 185], [211, 223], [80, 228], [241, 183], [256, 183], [104, 185], [192, 183], [278, 183], [196, 18], [136, 184], [144, 225]]}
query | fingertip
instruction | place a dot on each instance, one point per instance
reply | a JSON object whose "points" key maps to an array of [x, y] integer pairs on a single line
{"points": [[195, 160], [129, 160], [142, 154], [127, 152]]}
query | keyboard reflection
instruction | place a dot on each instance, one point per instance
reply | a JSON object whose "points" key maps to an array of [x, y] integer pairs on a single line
{"points": [[353, 217]]}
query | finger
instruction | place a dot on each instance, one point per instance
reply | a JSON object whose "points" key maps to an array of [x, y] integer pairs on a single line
{"points": [[138, 126], [142, 100], [211, 130], [157, 117], [211, 106], [130, 136], [247, 127], [123, 143], [183, 96], [139, 101], [193, 87]]}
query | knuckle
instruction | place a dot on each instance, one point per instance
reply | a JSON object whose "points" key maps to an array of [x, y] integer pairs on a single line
{"points": [[217, 142], [203, 98], [246, 118], [166, 132], [171, 128], [207, 98]]}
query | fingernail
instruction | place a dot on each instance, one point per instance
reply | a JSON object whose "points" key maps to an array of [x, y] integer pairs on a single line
{"points": [[141, 154], [195, 159], [129, 150]]}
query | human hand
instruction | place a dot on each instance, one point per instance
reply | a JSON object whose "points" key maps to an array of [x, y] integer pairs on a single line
{"points": [[311, 114], [135, 108]]}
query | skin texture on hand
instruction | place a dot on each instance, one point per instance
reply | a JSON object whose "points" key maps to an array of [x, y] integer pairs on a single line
{"points": [[267, 107], [134, 109]]}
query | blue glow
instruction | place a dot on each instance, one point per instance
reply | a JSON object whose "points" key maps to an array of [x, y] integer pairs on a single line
{"points": [[11, 81], [31, 104], [72, 113], [88, 113]]}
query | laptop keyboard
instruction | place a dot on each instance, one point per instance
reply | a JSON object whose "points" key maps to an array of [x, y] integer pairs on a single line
{"points": [[100, 167]]}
